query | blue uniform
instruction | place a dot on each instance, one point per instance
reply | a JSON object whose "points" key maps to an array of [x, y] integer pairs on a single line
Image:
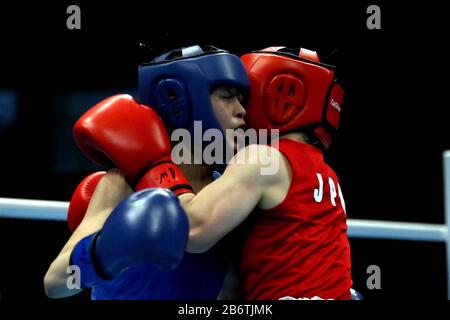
{"points": [[199, 276]]}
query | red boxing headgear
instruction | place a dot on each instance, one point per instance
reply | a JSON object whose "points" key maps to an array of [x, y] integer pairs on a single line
{"points": [[290, 92]]}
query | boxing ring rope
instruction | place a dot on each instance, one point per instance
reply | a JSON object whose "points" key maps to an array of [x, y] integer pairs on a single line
{"points": [[368, 229]]}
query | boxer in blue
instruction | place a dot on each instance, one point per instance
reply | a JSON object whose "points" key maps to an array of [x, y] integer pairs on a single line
{"points": [[120, 257]]}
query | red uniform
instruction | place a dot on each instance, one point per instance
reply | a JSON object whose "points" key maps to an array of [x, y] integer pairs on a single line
{"points": [[300, 247]]}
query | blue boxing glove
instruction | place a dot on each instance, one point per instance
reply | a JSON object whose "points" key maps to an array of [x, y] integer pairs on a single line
{"points": [[148, 226]]}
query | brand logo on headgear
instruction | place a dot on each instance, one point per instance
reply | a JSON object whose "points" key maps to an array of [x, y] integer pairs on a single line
{"points": [[335, 105]]}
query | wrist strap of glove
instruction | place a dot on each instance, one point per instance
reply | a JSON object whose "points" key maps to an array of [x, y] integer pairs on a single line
{"points": [[165, 175], [83, 257]]}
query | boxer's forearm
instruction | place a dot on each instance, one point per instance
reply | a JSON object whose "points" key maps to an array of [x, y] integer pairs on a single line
{"points": [[55, 280]]}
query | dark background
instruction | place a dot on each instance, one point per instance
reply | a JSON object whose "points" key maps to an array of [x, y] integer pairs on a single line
{"points": [[388, 152]]}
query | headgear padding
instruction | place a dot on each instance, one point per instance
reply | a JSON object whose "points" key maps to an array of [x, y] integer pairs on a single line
{"points": [[293, 91], [178, 84]]}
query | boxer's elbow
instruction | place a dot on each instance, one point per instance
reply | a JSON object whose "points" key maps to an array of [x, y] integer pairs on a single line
{"points": [[199, 241], [56, 281], [51, 285], [57, 288], [201, 230]]}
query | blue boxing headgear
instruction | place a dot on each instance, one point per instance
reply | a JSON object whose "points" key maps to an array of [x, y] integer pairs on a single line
{"points": [[178, 84]]}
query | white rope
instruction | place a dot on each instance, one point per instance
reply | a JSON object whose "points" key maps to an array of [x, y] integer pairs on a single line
{"points": [[375, 229], [33, 209]]}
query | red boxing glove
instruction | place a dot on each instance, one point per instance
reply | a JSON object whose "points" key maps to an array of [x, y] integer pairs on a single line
{"points": [[121, 132], [80, 199]]}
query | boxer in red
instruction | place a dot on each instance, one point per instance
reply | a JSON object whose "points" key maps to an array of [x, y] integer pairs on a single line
{"points": [[297, 246]]}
